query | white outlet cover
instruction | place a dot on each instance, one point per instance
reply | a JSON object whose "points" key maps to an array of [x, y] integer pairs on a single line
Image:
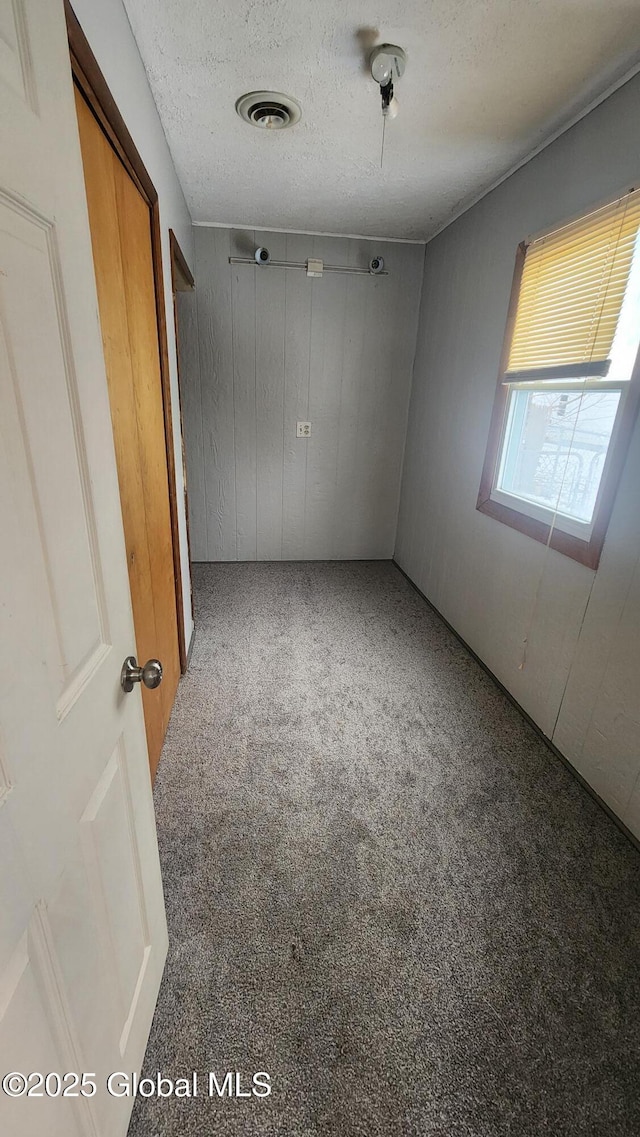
{"points": [[303, 429]]}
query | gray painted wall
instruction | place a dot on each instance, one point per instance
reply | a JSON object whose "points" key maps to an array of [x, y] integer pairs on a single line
{"points": [[262, 348], [581, 677]]}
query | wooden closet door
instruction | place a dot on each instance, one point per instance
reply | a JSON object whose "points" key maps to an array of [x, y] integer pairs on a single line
{"points": [[120, 222]]}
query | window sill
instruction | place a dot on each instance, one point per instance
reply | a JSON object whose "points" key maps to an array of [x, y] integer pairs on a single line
{"points": [[580, 529], [585, 552]]}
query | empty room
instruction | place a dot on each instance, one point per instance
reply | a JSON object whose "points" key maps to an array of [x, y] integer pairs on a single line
{"points": [[320, 574]]}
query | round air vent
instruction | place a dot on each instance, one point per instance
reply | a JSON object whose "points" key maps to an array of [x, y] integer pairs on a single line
{"points": [[269, 110]]}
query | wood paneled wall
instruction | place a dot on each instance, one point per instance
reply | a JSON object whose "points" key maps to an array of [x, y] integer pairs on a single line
{"points": [[262, 348]]}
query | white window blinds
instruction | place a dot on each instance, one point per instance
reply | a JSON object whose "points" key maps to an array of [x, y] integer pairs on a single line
{"points": [[571, 292]]}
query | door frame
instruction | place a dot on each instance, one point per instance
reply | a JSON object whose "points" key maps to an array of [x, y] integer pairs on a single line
{"points": [[181, 281], [181, 275], [93, 86]]}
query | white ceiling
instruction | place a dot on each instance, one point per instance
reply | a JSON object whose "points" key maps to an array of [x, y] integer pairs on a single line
{"points": [[487, 82]]}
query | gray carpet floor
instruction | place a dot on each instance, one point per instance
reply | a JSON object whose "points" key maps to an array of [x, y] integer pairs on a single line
{"points": [[382, 887]]}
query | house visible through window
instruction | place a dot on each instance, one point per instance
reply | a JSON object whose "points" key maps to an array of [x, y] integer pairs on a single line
{"points": [[568, 390]]}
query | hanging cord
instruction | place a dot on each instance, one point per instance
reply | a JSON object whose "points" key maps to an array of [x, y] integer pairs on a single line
{"points": [[386, 92], [384, 124], [617, 627], [556, 509], [606, 271], [594, 703]]}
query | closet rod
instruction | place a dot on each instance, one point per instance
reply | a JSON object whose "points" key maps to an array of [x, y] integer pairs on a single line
{"points": [[303, 264]]}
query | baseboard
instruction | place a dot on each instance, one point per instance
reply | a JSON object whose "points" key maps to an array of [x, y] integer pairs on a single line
{"points": [[547, 741], [301, 561]]}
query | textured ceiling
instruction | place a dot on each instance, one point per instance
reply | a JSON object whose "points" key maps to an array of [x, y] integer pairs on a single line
{"points": [[487, 81]]}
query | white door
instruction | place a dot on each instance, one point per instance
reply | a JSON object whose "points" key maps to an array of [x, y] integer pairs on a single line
{"points": [[82, 926]]}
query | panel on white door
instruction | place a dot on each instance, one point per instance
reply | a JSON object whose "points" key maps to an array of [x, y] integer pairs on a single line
{"points": [[28, 1046], [45, 394], [112, 854], [15, 64]]}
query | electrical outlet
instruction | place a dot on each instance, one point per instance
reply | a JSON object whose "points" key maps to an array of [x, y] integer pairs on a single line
{"points": [[303, 429]]}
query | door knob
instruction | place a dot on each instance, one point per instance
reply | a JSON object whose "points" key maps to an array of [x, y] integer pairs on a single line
{"points": [[150, 674]]}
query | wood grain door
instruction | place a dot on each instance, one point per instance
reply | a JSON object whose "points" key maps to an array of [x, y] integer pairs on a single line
{"points": [[83, 934], [120, 221]]}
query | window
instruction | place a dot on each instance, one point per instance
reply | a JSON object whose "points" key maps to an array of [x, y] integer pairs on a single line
{"points": [[568, 388]]}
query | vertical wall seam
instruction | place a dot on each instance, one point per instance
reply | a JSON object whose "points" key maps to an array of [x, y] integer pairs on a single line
{"points": [[284, 393], [306, 449], [204, 457], [403, 459], [344, 348], [255, 393], [231, 272]]}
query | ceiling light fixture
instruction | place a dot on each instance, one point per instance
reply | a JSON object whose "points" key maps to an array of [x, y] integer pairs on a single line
{"points": [[269, 110], [387, 62]]}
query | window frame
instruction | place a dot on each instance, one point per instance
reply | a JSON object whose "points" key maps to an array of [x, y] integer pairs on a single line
{"points": [[586, 550]]}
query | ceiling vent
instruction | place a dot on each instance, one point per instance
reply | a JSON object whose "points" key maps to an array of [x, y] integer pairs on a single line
{"points": [[269, 110]]}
